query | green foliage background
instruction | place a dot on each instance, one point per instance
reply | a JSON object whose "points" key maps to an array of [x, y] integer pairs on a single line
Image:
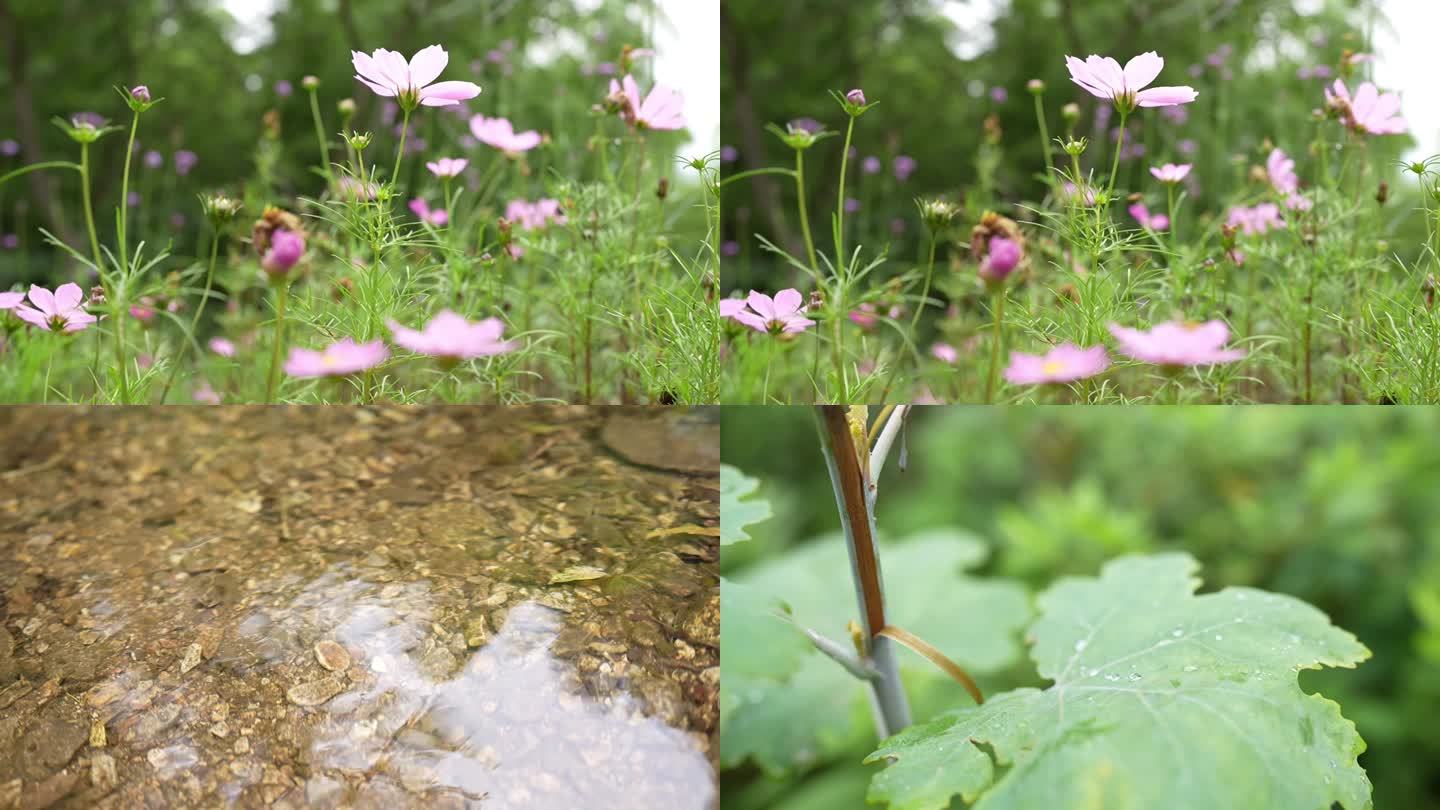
{"points": [[1335, 506], [71, 53], [779, 59]]}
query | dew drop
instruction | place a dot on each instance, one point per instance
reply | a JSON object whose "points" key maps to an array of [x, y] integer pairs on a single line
{"points": [[1112, 677], [1092, 673], [1080, 645], [1191, 668], [1219, 637], [1177, 632]]}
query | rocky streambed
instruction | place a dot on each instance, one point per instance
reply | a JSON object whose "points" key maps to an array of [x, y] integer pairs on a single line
{"points": [[358, 607]]}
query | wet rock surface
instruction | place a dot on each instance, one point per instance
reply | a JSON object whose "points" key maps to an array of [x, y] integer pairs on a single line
{"points": [[353, 607]]}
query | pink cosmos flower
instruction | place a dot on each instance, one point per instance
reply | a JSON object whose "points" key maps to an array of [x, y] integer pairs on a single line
{"points": [[1297, 202], [388, 74], [1368, 110], [498, 133], [1073, 194], [11, 300], [1281, 170], [222, 346], [447, 167], [60, 311], [1153, 222], [437, 217], [662, 109], [945, 353], [536, 215], [286, 248], [1063, 364], [1104, 78], [867, 315], [1255, 220], [1178, 344], [337, 359], [355, 190], [451, 337], [1170, 172], [206, 394], [783, 314]]}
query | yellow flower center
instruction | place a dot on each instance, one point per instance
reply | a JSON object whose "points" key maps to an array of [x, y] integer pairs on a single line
{"points": [[1053, 367]]}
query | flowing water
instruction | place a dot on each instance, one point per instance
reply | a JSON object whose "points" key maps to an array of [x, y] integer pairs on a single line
{"points": [[358, 607]]}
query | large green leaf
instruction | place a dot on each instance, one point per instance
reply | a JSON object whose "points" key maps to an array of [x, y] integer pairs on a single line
{"points": [[1161, 698], [736, 512], [787, 721], [761, 648]]}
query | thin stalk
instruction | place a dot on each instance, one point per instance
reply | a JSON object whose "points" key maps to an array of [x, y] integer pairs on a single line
{"points": [[804, 217], [1115, 162], [125, 194], [1044, 140], [888, 700], [840, 205], [400, 152], [194, 319], [89, 209], [320, 138], [995, 347], [282, 291]]}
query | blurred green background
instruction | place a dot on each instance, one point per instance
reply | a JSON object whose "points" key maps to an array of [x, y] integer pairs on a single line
{"points": [[940, 68], [542, 63], [1337, 506]]}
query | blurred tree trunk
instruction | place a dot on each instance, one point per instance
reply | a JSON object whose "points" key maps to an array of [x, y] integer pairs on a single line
{"points": [[43, 185], [742, 107]]}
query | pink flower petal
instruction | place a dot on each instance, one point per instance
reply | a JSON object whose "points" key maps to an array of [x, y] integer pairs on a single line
{"points": [[427, 64]]}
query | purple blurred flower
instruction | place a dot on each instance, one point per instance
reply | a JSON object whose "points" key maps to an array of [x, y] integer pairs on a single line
{"points": [[898, 226], [852, 205], [9, 148], [871, 165], [184, 161], [133, 199], [904, 166], [730, 248], [1187, 146], [284, 88], [807, 124], [154, 160], [999, 95], [9, 241]]}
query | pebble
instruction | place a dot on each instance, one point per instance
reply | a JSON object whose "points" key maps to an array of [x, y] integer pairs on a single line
{"points": [[476, 634], [102, 771], [242, 745], [191, 658], [313, 693], [97, 734], [332, 656], [221, 729]]}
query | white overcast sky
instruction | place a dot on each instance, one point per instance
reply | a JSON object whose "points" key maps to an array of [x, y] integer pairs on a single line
{"points": [[687, 56]]}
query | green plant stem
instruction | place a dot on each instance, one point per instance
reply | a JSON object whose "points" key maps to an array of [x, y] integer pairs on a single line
{"points": [[925, 290], [804, 216], [320, 138], [1044, 140], [1115, 162], [125, 194], [840, 204], [282, 291], [194, 319], [89, 209], [1174, 225], [400, 152], [995, 347]]}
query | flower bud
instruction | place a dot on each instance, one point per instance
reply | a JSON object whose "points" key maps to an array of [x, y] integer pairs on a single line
{"points": [[1035, 86], [346, 107], [286, 249], [358, 141], [856, 97], [1000, 260], [937, 214], [1070, 113], [219, 209], [310, 82], [1075, 147], [140, 93]]}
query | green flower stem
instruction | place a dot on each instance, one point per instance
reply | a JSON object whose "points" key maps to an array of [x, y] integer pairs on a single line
{"points": [[840, 204], [282, 291], [1044, 140], [121, 312], [194, 319], [1115, 162], [1174, 225], [400, 152], [995, 346], [89, 209], [320, 138], [125, 194], [804, 216]]}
